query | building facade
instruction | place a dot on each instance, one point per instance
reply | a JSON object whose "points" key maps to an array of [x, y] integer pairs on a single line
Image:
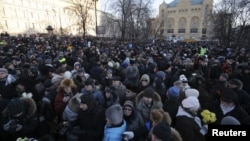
{"points": [[28, 17], [186, 19]]}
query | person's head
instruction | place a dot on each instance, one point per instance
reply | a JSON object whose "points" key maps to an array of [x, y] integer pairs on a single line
{"points": [[131, 91], [116, 81], [191, 104], [114, 115], [67, 85], [159, 115], [229, 120], [145, 80], [16, 108], [87, 102], [173, 92], [3, 73], [148, 95], [161, 132], [89, 84], [228, 98], [223, 77], [235, 84], [128, 107]]}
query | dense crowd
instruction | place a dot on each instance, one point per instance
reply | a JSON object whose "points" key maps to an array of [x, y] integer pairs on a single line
{"points": [[101, 89]]}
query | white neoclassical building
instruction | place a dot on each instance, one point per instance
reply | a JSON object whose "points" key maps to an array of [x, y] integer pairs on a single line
{"points": [[186, 19], [34, 16]]}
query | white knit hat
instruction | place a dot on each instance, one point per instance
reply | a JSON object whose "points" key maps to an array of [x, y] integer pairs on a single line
{"points": [[191, 103], [192, 92]]}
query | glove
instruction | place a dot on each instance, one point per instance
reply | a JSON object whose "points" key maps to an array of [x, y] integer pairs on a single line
{"points": [[128, 135], [204, 129]]}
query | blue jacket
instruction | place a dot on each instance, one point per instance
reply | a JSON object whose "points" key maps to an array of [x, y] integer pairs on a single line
{"points": [[114, 133]]}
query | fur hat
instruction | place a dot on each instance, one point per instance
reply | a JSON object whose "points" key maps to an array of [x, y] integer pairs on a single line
{"points": [[173, 91], [228, 95], [236, 82], [74, 102], [115, 114], [192, 103], [191, 92], [162, 131], [15, 106], [67, 82], [148, 92]]}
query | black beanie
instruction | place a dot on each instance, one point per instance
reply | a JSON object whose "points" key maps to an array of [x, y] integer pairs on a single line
{"points": [[162, 131], [15, 106], [148, 92]]}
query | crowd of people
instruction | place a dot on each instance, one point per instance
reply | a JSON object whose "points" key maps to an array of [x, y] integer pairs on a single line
{"points": [[95, 89]]}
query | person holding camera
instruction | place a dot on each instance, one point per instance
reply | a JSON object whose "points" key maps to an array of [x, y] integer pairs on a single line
{"points": [[19, 119], [90, 122]]}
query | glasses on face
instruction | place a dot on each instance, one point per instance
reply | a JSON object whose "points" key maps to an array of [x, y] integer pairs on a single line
{"points": [[127, 109], [144, 80]]}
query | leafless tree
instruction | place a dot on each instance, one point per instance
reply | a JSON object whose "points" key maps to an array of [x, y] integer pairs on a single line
{"points": [[231, 19], [132, 17], [81, 10]]}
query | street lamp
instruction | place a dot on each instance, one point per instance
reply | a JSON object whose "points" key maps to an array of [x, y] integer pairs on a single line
{"points": [[95, 17], [50, 30]]}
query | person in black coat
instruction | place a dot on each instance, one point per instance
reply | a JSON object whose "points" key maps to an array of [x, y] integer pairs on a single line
{"points": [[89, 125]]}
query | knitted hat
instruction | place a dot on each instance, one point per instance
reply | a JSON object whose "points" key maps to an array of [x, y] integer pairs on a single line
{"points": [[229, 120], [15, 106], [115, 114], [148, 92], [173, 91], [191, 92], [160, 74], [235, 82], [162, 131], [145, 77], [128, 103], [131, 88], [191, 103]]}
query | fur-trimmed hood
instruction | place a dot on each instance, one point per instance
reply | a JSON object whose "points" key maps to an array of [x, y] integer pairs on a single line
{"points": [[156, 97]]}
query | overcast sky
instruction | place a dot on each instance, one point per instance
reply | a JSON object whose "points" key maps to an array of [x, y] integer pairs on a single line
{"points": [[156, 4]]}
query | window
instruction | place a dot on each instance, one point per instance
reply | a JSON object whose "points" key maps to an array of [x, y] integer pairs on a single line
{"points": [[194, 30], [181, 31], [170, 30], [204, 31]]}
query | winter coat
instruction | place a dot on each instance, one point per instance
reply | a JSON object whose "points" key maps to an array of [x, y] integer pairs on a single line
{"points": [[97, 94], [114, 133], [143, 109], [91, 122], [187, 127]]}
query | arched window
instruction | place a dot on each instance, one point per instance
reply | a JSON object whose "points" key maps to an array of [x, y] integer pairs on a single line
{"points": [[170, 25], [194, 25], [182, 25]]}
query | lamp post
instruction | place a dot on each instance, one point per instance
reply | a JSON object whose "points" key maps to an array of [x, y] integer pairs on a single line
{"points": [[50, 30], [95, 1]]}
